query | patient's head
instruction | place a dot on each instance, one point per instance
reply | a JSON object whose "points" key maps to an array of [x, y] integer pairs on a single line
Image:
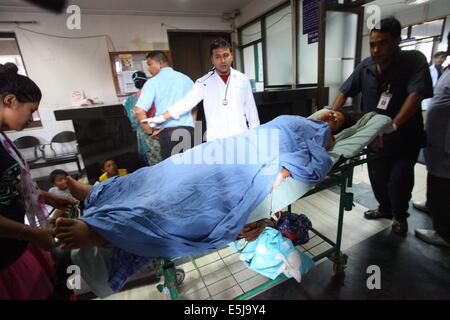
{"points": [[338, 120]]}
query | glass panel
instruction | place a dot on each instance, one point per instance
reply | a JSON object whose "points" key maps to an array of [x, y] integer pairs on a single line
{"points": [[426, 47], [254, 66], [307, 54], [443, 45], [340, 49], [279, 47], [347, 68], [251, 33], [427, 29], [409, 47], [249, 62], [405, 33], [446, 31], [237, 59], [260, 74]]}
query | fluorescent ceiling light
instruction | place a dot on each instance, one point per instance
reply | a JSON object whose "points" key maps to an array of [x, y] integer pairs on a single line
{"points": [[414, 2]]}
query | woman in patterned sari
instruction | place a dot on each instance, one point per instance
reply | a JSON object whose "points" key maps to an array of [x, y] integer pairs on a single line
{"points": [[148, 146]]}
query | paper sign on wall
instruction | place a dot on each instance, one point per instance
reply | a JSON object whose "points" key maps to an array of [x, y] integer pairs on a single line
{"points": [[126, 61], [77, 98]]}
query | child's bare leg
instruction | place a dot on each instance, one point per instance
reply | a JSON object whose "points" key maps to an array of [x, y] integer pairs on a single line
{"points": [[77, 189], [74, 234]]}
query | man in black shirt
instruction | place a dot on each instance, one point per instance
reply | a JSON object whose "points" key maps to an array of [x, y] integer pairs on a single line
{"points": [[393, 83]]}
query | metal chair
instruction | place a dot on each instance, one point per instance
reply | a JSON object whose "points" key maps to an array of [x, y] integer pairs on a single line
{"points": [[28, 142], [65, 156]]}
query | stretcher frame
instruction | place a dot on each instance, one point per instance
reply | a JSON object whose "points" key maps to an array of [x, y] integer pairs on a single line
{"points": [[342, 176]]}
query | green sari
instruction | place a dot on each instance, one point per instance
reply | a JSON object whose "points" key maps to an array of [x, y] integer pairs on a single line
{"points": [[147, 146]]}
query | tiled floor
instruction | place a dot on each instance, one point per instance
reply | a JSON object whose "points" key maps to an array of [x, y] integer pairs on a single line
{"points": [[221, 275], [410, 269]]}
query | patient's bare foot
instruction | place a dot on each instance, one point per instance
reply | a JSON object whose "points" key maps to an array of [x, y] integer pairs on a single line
{"points": [[74, 234], [78, 189], [284, 173]]}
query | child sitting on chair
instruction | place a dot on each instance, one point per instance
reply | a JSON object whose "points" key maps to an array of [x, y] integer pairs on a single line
{"points": [[58, 179], [110, 170], [59, 183]]}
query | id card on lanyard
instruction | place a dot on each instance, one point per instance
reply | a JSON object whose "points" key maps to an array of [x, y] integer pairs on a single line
{"points": [[385, 98]]}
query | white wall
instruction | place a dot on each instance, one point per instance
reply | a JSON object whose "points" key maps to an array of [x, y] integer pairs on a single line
{"points": [[60, 65]]}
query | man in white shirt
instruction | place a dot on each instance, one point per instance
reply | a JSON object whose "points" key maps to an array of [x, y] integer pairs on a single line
{"points": [[437, 155], [436, 70], [165, 88], [227, 96]]}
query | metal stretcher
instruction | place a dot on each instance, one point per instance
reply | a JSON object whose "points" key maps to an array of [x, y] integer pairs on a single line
{"points": [[342, 176]]}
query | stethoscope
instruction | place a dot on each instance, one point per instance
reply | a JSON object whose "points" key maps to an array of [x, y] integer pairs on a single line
{"points": [[212, 71], [225, 101], [139, 78]]}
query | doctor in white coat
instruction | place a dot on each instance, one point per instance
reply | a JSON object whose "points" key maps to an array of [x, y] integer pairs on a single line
{"points": [[227, 96]]}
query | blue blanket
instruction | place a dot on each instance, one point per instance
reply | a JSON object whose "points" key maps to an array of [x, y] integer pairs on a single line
{"points": [[199, 200]]}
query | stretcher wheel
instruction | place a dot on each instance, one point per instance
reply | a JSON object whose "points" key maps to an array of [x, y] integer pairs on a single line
{"points": [[339, 263], [161, 288], [339, 268], [179, 276]]}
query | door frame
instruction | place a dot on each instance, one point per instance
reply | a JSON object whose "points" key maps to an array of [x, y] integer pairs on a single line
{"points": [[324, 8]]}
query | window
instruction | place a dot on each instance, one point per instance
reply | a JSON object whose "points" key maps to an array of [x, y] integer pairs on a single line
{"points": [[252, 55], [427, 29], [279, 35], [424, 37], [262, 61], [9, 52], [405, 33], [251, 33]]}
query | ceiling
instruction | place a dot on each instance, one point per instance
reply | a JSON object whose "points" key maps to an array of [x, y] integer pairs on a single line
{"points": [[201, 8], [392, 7]]}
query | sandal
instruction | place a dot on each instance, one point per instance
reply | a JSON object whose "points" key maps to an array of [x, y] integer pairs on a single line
{"points": [[376, 214]]}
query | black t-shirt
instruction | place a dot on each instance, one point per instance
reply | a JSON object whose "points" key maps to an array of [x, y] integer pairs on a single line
{"points": [[11, 207], [409, 72]]}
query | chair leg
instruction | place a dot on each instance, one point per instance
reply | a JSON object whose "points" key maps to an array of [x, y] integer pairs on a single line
{"points": [[78, 164]]}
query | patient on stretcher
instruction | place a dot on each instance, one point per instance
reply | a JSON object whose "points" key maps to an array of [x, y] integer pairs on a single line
{"points": [[195, 208]]}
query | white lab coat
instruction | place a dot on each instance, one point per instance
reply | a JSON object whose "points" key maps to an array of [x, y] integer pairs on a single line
{"points": [[435, 77], [221, 120]]}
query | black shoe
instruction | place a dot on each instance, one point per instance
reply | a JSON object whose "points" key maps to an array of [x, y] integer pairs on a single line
{"points": [[400, 227], [376, 214]]}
